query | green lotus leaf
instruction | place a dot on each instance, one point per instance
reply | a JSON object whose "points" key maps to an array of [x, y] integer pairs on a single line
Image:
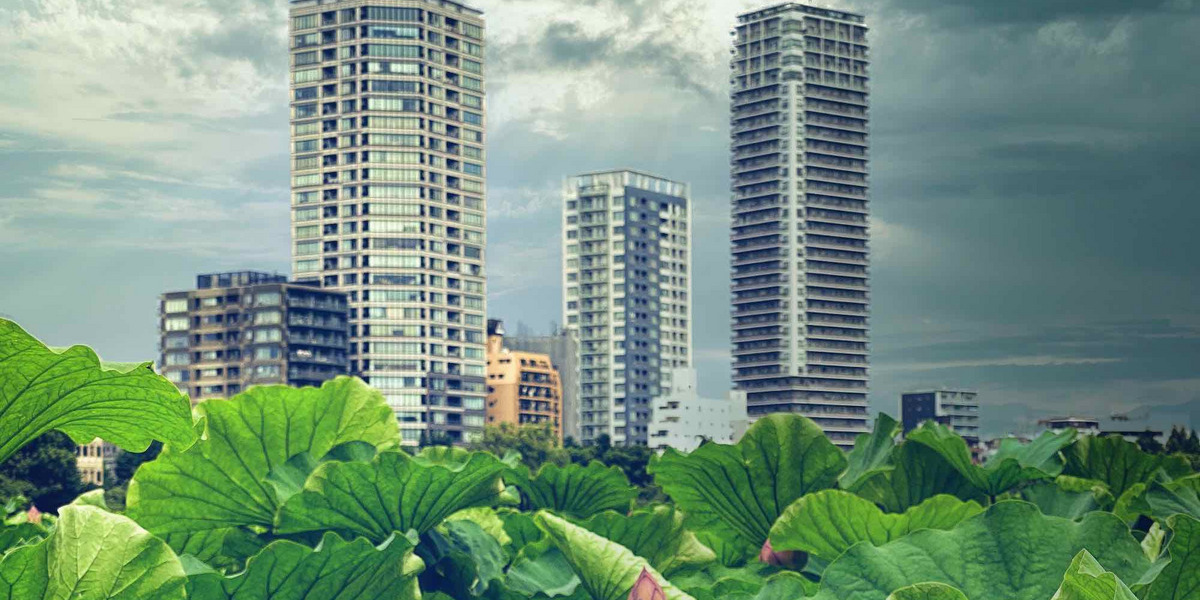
{"points": [[1009, 551], [606, 569], [221, 481], [739, 490], [919, 473], [1181, 496], [573, 490], [1180, 578], [463, 559], [1118, 463], [785, 585], [828, 522], [334, 570], [1012, 465], [927, 591], [92, 555], [657, 535], [70, 391], [548, 574], [20, 534], [872, 452], [1067, 497], [520, 528], [1086, 579], [394, 492]]}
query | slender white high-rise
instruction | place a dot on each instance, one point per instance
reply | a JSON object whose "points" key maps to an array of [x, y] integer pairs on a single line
{"points": [[627, 267], [387, 114], [799, 207]]}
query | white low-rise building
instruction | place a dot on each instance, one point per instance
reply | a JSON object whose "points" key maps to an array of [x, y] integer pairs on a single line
{"points": [[682, 419]]}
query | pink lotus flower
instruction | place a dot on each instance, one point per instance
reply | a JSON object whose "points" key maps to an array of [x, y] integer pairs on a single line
{"points": [[769, 556], [34, 515], [646, 588]]}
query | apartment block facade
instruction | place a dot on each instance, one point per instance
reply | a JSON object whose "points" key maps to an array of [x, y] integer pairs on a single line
{"points": [[388, 167], [562, 346], [800, 208], [246, 328], [627, 268], [524, 388], [956, 409]]}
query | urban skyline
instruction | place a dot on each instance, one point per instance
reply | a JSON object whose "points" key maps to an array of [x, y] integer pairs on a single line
{"points": [[1067, 347]]}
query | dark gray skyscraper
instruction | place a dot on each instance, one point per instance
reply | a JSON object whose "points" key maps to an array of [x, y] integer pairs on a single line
{"points": [[800, 204]]}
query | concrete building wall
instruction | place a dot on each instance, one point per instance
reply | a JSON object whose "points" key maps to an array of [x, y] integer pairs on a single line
{"points": [[683, 419], [237, 330], [627, 294]]}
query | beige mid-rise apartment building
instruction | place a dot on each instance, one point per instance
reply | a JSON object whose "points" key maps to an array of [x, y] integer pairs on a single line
{"points": [[387, 115], [524, 388], [246, 328], [799, 207]]}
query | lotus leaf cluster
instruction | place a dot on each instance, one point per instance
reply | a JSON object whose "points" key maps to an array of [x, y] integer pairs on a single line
{"points": [[307, 494]]}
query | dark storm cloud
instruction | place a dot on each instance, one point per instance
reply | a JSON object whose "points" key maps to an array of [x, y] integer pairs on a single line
{"points": [[1034, 181], [1026, 12]]}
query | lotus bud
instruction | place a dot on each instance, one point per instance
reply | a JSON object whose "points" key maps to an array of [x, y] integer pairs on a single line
{"points": [[646, 588], [769, 556], [34, 515]]}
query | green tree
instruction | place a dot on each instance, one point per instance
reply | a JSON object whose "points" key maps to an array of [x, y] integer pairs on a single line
{"points": [[127, 464], [536, 442], [44, 471]]}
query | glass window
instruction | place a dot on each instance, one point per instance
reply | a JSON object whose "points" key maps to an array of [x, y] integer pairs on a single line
{"points": [[395, 32], [394, 68], [267, 335], [306, 75], [304, 180], [267, 299], [392, 50], [388, 13], [176, 305], [308, 214], [268, 317], [304, 22], [176, 324]]}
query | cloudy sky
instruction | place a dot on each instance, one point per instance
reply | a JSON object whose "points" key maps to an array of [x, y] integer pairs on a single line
{"points": [[1035, 173]]}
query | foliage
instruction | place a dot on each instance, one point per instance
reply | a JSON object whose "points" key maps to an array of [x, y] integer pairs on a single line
{"points": [[536, 444], [43, 390], [573, 490], [44, 471], [94, 551], [305, 494], [737, 491]]}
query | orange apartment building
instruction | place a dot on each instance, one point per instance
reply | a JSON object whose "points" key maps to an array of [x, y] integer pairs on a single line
{"points": [[522, 387]]}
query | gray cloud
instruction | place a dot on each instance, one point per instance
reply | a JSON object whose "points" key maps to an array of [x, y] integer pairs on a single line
{"points": [[1033, 176]]}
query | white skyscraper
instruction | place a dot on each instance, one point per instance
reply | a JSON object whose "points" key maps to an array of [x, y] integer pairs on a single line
{"points": [[627, 267], [800, 204], [387, 113]]}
